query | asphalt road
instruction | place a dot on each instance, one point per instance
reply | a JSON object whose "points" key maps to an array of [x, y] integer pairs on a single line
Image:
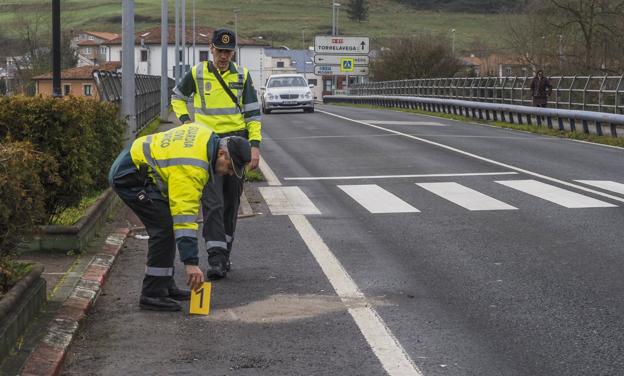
{"points": [[464, 250]]}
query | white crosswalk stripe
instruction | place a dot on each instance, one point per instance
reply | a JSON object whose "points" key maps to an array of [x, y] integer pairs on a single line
{"points": [[377, 200], [605, 184], [465, 197], [288, 201], [554, 194]]}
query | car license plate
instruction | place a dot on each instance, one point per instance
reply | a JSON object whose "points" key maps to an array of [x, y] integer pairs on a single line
{"points": [[290, 102]]}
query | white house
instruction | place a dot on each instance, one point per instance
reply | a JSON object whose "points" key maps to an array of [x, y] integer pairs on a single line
{"points": [[147, 56]]}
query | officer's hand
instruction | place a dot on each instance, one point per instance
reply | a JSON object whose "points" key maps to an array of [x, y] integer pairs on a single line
{"points": [[255, 158], [194, 277]]}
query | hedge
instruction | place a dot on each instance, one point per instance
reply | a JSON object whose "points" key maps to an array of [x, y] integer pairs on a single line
{"points": [[22, 191], [53, 152], [83, 136]]}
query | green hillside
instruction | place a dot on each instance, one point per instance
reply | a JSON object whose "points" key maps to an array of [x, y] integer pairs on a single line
{"points": [[280, 22]]}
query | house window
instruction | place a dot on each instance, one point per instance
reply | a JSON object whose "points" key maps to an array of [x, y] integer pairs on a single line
{"points": [[280, 64], [181, 56], [102, 50], [143, 55], [327, 85], [312, 81], [91, 37], [507, 71], [87, 90], [203, 55], [86, 50], [66, 89]]}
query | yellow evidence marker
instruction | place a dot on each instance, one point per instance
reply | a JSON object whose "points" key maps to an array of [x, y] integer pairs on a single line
{"points": [[200, 300]]}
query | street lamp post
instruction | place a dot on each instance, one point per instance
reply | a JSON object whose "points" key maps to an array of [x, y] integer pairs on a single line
{"points": [[164, 44], [335, 12], [56, 48], [453, 43], [236, 12]]}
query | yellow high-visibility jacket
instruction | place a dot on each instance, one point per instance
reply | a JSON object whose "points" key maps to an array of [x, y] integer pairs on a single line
{"points": [[214, 107], [180, 166]]}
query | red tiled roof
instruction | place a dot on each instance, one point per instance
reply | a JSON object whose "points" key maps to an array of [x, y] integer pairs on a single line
{"points": [[203, 35], [82, 73], [87, 43], [103, 35]]}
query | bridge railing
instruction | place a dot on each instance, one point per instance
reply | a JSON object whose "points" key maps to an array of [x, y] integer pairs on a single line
{"points": [[147, 94], [591, 93], [590, 122]]}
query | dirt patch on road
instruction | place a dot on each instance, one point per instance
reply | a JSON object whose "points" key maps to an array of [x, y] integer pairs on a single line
{"points": [[281, 308]]}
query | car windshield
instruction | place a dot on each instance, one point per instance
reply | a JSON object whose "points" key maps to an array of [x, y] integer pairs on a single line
{"points": [[287, 82]]}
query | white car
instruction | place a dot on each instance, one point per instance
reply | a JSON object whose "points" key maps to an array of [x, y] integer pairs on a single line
{"points": [[286, 92]]}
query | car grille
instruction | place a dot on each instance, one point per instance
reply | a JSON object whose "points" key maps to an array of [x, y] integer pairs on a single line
{"points": [[289, 96]]}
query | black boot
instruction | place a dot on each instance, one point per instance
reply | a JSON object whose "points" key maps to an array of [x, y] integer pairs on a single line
{"points": [[179, 294], [162, 303], [218, 261]]}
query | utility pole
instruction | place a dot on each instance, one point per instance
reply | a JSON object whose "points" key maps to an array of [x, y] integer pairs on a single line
{"points": [[303, 47], [56, 48], [128, 106], [164, 49], [560, 52]]}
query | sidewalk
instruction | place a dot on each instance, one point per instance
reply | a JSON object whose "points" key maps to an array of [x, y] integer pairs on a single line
{"points": [[74, 282]]}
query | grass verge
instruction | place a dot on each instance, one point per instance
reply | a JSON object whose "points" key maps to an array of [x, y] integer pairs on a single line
{"points": [[254, 175], [151, 128], [69, 216], [606, 140]]}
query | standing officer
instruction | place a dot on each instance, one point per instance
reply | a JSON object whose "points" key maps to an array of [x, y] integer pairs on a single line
{"points": [[161, 178], [225, 100]]}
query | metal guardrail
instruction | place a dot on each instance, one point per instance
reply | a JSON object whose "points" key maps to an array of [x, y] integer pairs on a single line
{"points": [[598, 123], [592, 93], [147, 94]]}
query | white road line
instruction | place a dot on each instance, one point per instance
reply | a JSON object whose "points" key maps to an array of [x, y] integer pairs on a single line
{"points": [[399, 176], [576, 186], [554, 194], [288, 200], [403, 122], [465, 197], [605, 184], [393, 358], [268, 173], [377, 200]]}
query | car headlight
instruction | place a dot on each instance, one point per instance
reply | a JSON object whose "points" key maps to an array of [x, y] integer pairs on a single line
{"points": [[308, 95], [271, 97]]}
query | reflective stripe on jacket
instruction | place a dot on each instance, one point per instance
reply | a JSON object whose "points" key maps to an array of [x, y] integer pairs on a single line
{"points": [[214, 107], [180, 159]]}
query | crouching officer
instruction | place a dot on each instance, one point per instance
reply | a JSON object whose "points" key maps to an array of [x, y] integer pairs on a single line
{"points": [[161, 178]]}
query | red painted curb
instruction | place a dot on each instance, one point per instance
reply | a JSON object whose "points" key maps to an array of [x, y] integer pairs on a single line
{"points": [[47, 358]]}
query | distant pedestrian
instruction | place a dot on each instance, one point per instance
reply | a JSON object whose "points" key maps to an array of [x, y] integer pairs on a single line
{"points": [[540, 89], [161, 177], [225, 100]]}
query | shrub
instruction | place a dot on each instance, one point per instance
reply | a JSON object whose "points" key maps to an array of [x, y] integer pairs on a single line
{"points": [[82, 135], [22, 190]]}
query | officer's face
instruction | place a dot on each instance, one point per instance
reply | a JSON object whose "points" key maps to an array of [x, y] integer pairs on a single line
{"points": [[222, 58], [224, 164]]}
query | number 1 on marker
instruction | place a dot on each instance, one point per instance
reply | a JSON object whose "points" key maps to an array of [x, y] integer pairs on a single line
{"points": [[200, 300]]}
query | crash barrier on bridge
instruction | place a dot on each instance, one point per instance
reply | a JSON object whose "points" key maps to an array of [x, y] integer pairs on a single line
{"points": [[598, 123], [147, 94], [590, 93]]}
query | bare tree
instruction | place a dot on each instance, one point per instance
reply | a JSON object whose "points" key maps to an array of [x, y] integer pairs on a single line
{"points": [[576, 36], [419, 56]]}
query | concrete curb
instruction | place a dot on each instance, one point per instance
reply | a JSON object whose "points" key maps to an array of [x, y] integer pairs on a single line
{"points": [[47, 358]]}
